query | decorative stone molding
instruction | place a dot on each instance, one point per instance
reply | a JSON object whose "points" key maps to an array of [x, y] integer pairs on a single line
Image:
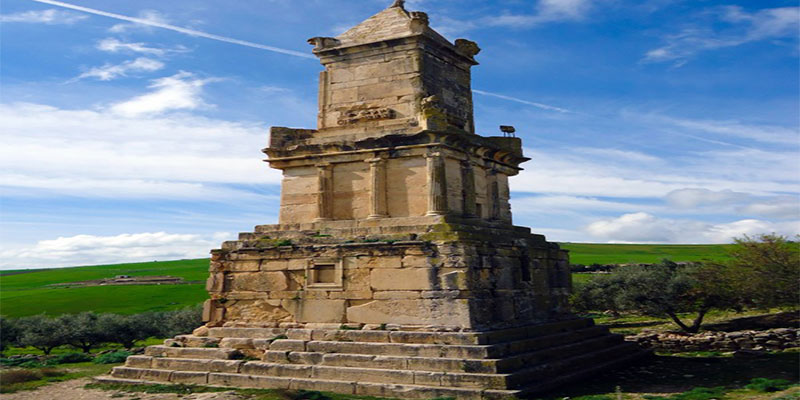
{"points": [[324, 192], [377, 194], [437, 184], [467, 47], [321, 43], [356, 115], [324, 273]]}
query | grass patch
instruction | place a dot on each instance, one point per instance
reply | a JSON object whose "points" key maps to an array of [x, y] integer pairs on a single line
{"points": [[69, 349], [595, 253], [12, 380], [669, 377], [631, 324], [116, 357], [26, 293]]}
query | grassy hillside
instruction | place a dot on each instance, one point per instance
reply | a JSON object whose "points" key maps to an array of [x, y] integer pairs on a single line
{"points": [[590, 253], [26, 293]]}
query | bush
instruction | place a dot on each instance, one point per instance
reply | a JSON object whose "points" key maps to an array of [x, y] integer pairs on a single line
{"points": [[765, 385], [12, 376], [112, 358], [9, 333], [69, 358], [762, 271]]}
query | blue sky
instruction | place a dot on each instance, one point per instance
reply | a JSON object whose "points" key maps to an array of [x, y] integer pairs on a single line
{"points": [[139, 138]]}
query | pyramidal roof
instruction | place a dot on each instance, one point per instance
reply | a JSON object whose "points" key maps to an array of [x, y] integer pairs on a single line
{"points": [[392, 23]]}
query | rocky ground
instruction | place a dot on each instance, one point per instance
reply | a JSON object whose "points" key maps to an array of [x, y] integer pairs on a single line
{"points": [[74, 390]]}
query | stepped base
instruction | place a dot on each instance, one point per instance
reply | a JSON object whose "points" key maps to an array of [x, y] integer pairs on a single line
{"points": [[412, 365]]}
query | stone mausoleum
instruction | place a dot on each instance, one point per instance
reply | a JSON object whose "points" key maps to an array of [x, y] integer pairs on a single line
{"points": [[395, 269]]}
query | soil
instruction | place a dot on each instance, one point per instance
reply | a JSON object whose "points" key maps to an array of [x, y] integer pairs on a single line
{"points": [[74, 390]]}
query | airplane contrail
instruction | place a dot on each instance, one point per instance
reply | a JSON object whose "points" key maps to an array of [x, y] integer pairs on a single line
{"points": [[530, 103], [187, 31]]}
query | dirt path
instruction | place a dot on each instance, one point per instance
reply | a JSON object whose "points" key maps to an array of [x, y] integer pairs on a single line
{"points": [[74, 390]]}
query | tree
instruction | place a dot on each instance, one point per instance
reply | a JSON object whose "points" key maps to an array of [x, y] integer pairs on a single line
{"points": [[181, 321], [40, 332], [666, 289], [82, 330], [119, 329], [761, 272], [9, 333]]}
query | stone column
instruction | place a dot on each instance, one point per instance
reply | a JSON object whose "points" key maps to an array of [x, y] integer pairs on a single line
{"points": [[324, 192], [377, 192], [468, 189], [493, 195], [437, 185]]}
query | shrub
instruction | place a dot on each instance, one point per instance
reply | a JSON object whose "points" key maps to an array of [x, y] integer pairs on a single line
{"points": [[765, 385], [31, 364], [112, 358], [9, 333], [12, 376], [52, 372], [69, 358]]}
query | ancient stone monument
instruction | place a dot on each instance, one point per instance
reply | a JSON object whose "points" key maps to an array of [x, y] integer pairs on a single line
{"points": [[395, 269]]}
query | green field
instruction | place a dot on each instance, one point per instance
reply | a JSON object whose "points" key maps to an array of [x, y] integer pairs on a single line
{"points": [[26, 293], [591, 253]]}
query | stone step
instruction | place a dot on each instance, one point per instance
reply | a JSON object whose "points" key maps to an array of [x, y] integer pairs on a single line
{"points": [[184, 364], [192, 352], [588, 340], [540, 387], [390, 349], [193, 341], [437, 350], [586, 344], [383, 336], [409, 337], [249, 333], [393, 390], [154, 370], [376, 361], [527, 345], [533, 331], [571, 365]]}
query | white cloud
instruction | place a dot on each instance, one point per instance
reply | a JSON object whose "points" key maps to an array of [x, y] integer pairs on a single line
{"points": [[182, 91], [761, 133], [113, 45], [109, 72], [152, 17], [690, 198], [95, 153], [782, 207], [732, 27], [90, 249], [644, 227], [546, 11], [49, 17]]}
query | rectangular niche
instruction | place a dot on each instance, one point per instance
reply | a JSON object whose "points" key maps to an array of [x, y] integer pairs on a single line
{"points": [[324, 273]]}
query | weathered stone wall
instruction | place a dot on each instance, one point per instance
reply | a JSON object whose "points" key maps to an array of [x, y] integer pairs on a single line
{"points": [[405, 179], [464, 285], [773, 339], [406, 187]]}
